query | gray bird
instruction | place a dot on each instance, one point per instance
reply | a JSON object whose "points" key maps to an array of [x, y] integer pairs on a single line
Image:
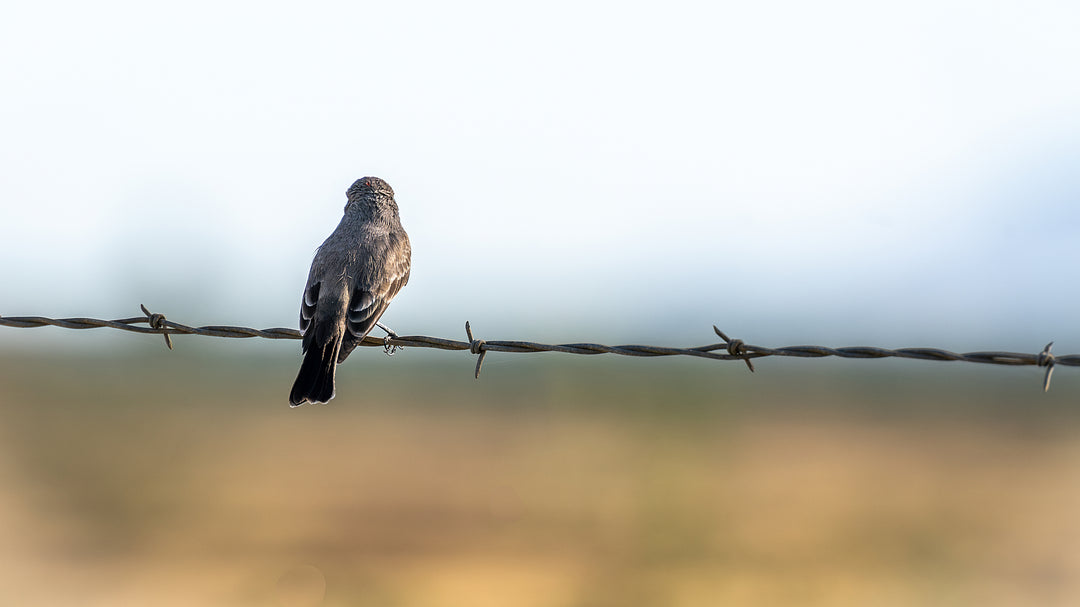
{"points": [[355, 274]]}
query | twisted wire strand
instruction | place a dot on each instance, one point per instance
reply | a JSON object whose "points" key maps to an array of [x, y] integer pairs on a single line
{"points": [[729, 349]]}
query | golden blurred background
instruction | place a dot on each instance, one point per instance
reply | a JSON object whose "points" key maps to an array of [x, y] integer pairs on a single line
{"points": [[183, 478]]}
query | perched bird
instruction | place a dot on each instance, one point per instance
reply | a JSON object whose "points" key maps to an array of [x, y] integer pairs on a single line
{"points": [[356, 273]]}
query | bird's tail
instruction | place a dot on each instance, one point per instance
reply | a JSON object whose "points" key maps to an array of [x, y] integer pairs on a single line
{"points": [[315, 382]]}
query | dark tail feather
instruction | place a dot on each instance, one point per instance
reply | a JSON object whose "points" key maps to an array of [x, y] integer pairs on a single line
{"points": [[315, 382]]}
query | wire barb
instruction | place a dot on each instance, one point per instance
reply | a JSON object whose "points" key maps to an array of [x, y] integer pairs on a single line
{"points": [[1046, 359], [736, 347], [157, 321], [476, 346]]}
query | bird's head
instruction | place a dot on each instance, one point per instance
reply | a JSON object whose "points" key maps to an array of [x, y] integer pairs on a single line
{"points": [[369, 186]]}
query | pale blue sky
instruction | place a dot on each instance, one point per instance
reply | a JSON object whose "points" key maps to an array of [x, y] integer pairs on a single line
{"points": [[827, 172]]}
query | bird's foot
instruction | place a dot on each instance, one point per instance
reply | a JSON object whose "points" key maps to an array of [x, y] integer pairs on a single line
{"points": [[388, 347]]}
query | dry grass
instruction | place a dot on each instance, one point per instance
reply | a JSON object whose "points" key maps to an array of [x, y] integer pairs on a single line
{"points": [[609, 483]]}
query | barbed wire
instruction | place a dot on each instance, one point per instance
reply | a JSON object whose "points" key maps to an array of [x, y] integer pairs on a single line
{"points": [[729, 349]]}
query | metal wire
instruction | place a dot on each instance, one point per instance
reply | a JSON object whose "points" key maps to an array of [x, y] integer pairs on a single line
{"points": [[729, 349]]}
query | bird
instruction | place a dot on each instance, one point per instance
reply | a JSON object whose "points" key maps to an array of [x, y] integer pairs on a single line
{"points": [[355, 275]]}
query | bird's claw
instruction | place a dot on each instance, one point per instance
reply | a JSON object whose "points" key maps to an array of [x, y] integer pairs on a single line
{"points": [[387, 346], [390, 348]]}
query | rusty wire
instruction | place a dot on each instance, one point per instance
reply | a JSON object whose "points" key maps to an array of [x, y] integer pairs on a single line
{"points": [[729, 349]]}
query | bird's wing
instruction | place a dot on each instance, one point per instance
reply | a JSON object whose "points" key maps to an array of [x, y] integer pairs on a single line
{"points": [[366, 306], [307, 311]]}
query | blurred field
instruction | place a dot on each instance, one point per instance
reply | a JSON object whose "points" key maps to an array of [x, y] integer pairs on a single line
{"points": [[184, 478]]}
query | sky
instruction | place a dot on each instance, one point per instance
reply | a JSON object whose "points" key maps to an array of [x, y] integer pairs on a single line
{"points": [[837, 173]]}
